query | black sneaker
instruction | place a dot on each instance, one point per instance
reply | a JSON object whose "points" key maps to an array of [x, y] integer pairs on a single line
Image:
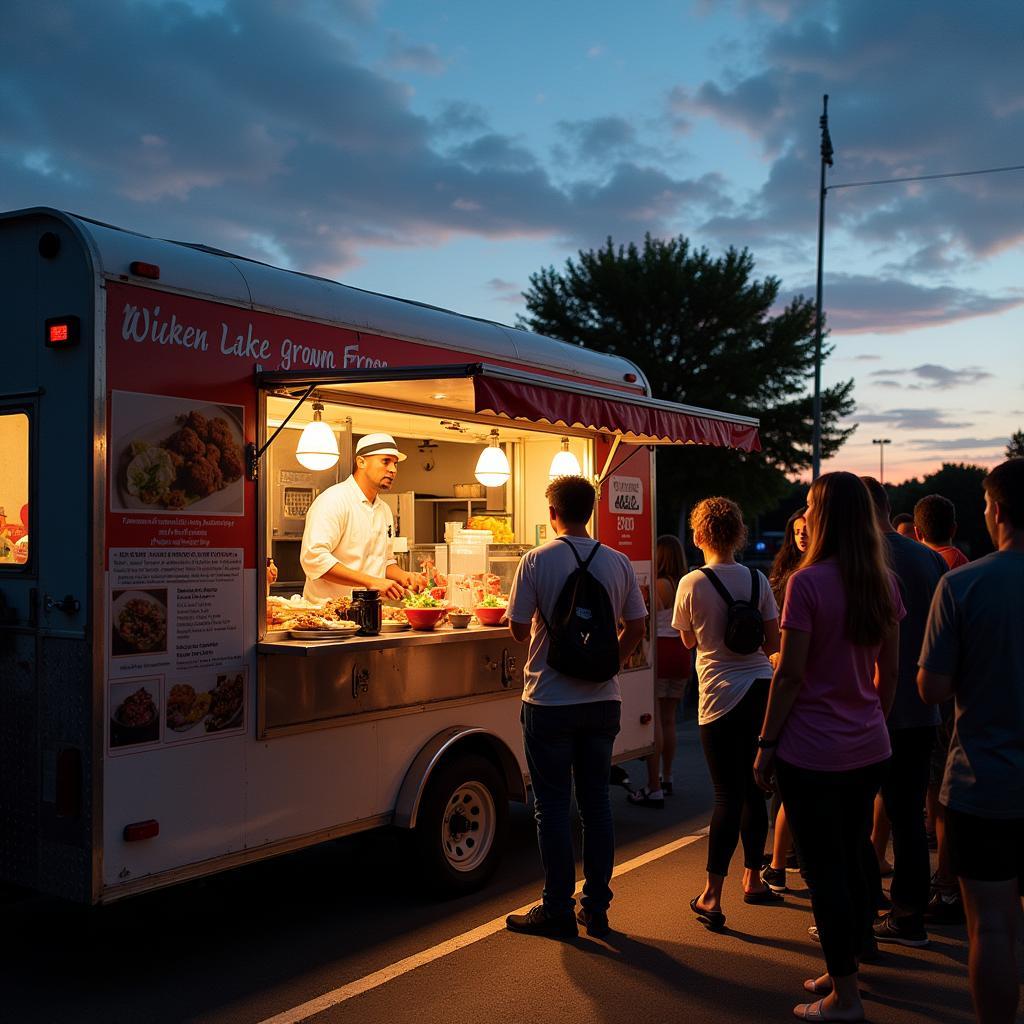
{"points": [[945, 908], [595, 921], [537, 921], [618, 776], [666, 787], [901, 930], [774, 878]]}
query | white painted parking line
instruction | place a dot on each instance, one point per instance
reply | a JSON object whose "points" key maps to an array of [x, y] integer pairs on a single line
{"points": [[371, 981]]}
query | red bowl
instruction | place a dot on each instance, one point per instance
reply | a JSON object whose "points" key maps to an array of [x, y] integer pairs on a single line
{"points": [[489, 616], [424, 618]]}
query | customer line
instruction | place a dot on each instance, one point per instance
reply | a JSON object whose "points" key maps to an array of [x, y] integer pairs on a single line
{"points": [[378, 978]]}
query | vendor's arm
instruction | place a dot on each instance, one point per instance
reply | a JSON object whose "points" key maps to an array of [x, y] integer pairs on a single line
{"points": [[410, 580], [348, 577]]}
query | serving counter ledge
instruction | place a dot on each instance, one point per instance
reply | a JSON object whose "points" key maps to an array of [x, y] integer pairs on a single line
{"points": [[321, 684]]}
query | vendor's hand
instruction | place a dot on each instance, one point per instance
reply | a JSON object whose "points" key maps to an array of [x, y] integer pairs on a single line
{"points": [[415, 581], [391, 589], [764, 769], [774, 659]]}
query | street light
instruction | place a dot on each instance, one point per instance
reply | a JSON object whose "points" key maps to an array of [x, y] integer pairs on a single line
{"points": [[881, 442]]}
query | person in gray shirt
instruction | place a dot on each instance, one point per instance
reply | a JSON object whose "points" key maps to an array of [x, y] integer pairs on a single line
{"points": [[912, 725], [974, 651]]}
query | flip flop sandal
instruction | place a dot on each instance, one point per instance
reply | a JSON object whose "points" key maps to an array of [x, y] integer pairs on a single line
{"points": [[812, 1011], [767, 895], [713, 920], [642, 798], [811, 985]]}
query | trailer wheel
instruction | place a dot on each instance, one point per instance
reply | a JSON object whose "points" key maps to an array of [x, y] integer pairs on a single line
{"points": [[461, 826]]}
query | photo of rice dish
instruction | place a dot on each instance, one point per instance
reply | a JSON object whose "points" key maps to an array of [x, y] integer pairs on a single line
{"points": [[142, 624]]}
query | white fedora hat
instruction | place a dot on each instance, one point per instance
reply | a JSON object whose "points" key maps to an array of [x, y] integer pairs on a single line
{"points": [[379, 444]]}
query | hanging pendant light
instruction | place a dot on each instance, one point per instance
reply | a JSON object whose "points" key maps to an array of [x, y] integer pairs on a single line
{"points": [[564, 463], [492, 468], [318, 447]]}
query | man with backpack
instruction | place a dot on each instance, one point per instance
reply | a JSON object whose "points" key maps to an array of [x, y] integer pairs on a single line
{"points": [[577, 604]]}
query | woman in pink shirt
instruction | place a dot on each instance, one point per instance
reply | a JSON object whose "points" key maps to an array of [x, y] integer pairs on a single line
{"points": [[824, 737]]}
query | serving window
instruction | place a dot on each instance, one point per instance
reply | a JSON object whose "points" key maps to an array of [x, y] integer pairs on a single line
{"points": [[15, 478], [437, 500]]}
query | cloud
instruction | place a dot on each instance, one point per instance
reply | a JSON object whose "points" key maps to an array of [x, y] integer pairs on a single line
{"points": [[423, 58], [935, 377], [328, 151], [600, 137], [911, 419], [860, 304], [865, 357], [957, 443], [885, 122], [506, 291]]}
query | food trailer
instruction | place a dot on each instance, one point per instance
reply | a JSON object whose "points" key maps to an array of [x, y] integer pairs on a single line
{"points": [[159, 719]]}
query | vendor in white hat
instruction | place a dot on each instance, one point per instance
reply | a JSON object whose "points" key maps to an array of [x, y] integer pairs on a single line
{"points": [[349, 535]]}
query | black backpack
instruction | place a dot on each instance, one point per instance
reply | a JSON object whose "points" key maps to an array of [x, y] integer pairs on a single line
{"points": [[744, 627], [583, 639]]}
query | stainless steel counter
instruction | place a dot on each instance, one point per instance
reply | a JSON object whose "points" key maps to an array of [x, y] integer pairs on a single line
{"points": [[319, 684]]}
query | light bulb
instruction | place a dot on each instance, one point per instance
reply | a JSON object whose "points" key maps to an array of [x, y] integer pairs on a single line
{"points": [[318, 447], [564, 463], [492, 468]]}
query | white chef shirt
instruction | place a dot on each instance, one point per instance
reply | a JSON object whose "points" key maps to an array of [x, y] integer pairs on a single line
{"points": [[343, 525]]}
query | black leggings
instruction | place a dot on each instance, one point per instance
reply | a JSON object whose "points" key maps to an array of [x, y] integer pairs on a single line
{"points": [[830, 815], [730, 746]]}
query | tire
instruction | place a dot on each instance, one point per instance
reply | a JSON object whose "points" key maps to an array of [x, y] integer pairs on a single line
{"points": [[461, 826]]}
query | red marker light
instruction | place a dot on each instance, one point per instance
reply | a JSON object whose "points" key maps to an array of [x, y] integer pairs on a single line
{"points": [[140, 269], [61, 332], [141, 830], [629, 378]]}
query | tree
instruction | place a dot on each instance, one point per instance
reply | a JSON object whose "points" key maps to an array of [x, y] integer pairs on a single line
{"points": [[1015, 449], [705, 333]]}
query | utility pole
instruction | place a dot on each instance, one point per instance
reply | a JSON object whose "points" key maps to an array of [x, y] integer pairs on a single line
{"points": [[826, 161], [881, 442]]}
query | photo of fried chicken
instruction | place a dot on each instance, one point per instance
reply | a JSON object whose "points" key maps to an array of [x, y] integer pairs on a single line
{"points": [[189, 456]]}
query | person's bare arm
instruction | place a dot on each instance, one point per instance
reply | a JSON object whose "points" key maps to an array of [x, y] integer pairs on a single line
{"points": [[934, 687], [348, 577], [520, 631], [410, 580], [887, 668], [786, 683], [772, 637], [689, 638], [630, 635]]}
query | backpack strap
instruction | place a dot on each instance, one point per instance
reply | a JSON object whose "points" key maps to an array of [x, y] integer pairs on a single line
{"points": [[579, 561], [755, 587], [718, 585]]}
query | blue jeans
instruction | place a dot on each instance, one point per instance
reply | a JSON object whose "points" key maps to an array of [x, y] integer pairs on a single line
{"points": [[567, 745]]}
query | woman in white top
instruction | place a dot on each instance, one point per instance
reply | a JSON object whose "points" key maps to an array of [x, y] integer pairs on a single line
{"points": [[733, 693]]}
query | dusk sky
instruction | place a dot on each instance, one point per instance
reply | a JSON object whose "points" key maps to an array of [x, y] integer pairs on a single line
{"points": [[443, 151]]}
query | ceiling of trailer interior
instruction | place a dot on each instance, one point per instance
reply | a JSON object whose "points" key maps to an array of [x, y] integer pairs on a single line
{"points": [[427, 425]]}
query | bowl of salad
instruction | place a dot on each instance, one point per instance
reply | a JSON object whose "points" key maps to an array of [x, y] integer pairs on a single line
{"points": [[424, 611], [491, 610]]}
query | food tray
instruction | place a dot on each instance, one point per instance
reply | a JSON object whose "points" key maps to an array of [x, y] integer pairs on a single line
{"points": [[394, 627], [323, 634]]}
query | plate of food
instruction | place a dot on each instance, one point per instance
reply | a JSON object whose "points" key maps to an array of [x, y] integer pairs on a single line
{"points": [[317, 627], [393, 620], [135, 719], [227, 700], [139, 621], [192, 460], [186, 707]]}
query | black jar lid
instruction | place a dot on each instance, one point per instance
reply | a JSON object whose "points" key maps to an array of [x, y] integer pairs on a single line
{"points": [[365, 595]]}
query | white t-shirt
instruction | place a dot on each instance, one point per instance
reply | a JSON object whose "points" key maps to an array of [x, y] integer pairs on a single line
{"points": [[723, 676], [539, 580], [343, 525]]}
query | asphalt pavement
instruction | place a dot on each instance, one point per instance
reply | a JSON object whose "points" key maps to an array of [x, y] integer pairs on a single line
{"points": [[343, 926]]}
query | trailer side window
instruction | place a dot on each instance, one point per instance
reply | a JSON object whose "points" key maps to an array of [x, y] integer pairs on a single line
{"points": [[14, 484]]}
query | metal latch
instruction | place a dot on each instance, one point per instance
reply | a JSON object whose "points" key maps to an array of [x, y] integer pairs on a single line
{"points": [[360, 681], [69, 606], [508, 667]]}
